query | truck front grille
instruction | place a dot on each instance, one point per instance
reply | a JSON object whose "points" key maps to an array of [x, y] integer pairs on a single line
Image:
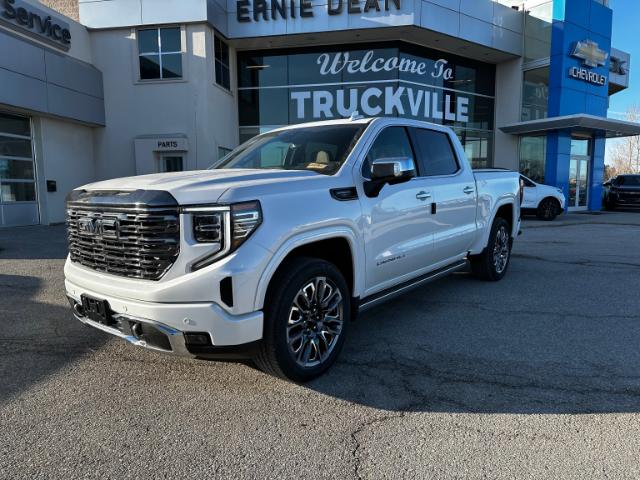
{"points": [[131, 241]]}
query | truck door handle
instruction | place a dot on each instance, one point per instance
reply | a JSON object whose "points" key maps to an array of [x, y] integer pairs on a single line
{"points": [[422, 196], [469, 190]]}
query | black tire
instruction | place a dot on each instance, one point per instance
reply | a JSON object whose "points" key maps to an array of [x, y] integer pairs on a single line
{"points": [[276, 356], [548, 209], [609, 204], [485, 266]]}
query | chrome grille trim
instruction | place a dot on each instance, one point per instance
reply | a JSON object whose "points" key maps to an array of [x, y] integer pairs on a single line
{"points": [[146, 245]]}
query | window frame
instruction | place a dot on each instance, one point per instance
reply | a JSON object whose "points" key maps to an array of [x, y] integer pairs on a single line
{"points": [[164, 156], [218, 38], [416, 148], [137, 54], [368, 148], [32, 158]]}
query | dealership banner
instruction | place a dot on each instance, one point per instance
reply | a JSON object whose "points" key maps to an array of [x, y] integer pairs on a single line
{"points": [[320, 84]]}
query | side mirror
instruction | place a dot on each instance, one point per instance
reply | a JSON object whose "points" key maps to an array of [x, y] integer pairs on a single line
{"points": [[393, 169]]}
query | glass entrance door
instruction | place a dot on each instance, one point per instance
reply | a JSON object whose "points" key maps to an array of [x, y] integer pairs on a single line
{"points": [[579, 174]]}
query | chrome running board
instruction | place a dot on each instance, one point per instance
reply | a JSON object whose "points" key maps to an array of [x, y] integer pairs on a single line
{"points": [[393, 292]]}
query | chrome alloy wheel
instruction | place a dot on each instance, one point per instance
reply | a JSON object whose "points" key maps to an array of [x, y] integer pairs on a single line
{"points": [[501, 250], [315, 322]]}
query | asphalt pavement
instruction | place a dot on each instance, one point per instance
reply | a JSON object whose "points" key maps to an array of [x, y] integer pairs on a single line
{"points": [[537, 376]]}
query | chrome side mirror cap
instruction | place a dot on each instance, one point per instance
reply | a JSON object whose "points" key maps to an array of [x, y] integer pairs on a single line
{"points": [[393, 169]]}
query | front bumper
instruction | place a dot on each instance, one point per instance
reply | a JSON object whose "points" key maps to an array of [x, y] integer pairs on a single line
{"points": [[167, 327]]}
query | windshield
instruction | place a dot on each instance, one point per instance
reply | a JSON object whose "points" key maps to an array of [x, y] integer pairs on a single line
{"points": [[629, 181], [319, 149]]}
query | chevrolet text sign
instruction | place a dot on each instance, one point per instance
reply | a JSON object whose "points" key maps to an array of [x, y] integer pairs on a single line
{"points": [[592, 56]]}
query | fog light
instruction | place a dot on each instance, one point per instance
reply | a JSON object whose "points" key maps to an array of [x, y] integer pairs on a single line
{"points": [[197, 338]]}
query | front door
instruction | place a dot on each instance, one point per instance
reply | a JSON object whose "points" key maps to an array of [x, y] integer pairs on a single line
{"points": [[398, 226], [579, 174]]}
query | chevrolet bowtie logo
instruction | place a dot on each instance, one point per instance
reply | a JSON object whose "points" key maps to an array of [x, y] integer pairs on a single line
{"points": [[590, 53]]}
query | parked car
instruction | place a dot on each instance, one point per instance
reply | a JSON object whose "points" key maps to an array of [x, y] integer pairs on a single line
{"points": [[544, 201], [621, 191], [273, 252]]}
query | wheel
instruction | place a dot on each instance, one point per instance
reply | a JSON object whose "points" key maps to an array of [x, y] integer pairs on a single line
{"points": [[306, 317], [548, 209], [609, 204], [493, 262]]}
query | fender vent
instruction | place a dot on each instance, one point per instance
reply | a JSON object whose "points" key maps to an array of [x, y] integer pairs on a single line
{"points": [[226, 291]]}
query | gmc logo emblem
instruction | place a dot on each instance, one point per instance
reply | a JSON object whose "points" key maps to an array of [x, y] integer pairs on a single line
{"points": [[108, 228]]}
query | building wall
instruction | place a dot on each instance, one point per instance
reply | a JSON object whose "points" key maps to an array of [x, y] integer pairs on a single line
{"points": [[193, 107], [66, 7], [64, 153], [576, 21], [508, 93]]}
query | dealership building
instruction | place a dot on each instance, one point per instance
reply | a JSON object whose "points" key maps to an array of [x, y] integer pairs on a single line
{"points": [[144, 86]]}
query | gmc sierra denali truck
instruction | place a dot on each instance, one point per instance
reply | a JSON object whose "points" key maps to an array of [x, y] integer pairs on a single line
{"points": [[273, 251]]}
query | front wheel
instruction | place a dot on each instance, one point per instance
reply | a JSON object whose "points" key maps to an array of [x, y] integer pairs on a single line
{"points": [[493, 262], [307, 313]]}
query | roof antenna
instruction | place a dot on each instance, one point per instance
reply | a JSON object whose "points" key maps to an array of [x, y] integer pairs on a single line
{"points": [[355, 116]]}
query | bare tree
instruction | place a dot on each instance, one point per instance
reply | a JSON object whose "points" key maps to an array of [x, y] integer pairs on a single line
{"points": [[625, 154]]}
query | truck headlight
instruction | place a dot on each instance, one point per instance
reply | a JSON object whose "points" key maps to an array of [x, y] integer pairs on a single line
{"points": [[225, 228], [207, 227]]}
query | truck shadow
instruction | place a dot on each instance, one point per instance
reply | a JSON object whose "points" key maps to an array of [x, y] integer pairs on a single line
{"points": [[456, 346]]}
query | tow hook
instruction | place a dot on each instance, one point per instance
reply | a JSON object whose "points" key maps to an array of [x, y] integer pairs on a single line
{"points": [[136, 330]]}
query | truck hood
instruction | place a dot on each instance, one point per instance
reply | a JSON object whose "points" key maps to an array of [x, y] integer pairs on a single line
{"points": [[202, 186]]}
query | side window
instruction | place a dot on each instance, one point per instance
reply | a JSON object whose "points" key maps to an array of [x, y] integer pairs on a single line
{"points": [[160, 53], [391, 142], [435, 153], [222, 63], [527, 182]]}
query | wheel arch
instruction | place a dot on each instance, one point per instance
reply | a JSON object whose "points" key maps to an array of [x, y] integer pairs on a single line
{"points": [[506, 208], [338, 247]]}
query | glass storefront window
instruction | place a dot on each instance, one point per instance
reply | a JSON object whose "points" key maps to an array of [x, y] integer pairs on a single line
{"points": [[535, 94], [17, 175], [537, 32], [387, 79], [533, 151]]}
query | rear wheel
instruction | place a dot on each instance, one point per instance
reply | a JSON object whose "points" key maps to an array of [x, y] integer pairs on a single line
{"points": [[548, 209], [307, 313], [493, 262]]}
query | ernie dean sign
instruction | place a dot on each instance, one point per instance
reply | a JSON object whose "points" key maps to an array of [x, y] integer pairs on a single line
{"points": [[256, 10]]}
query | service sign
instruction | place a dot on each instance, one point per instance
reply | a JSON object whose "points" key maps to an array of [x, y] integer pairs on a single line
{"points": [[35, 22]]}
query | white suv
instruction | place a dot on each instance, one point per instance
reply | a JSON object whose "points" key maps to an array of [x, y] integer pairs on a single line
{"points": [[271, 253], [544, 201]]}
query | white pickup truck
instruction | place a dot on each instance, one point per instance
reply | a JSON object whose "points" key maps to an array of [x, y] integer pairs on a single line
{"points": [[272, 252]]}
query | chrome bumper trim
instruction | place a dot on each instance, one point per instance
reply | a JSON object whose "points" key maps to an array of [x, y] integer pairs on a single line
{"points": [[176, 337]]}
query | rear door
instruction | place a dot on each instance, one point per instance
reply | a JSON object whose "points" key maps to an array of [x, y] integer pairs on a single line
{"points": [[454, 190]]}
